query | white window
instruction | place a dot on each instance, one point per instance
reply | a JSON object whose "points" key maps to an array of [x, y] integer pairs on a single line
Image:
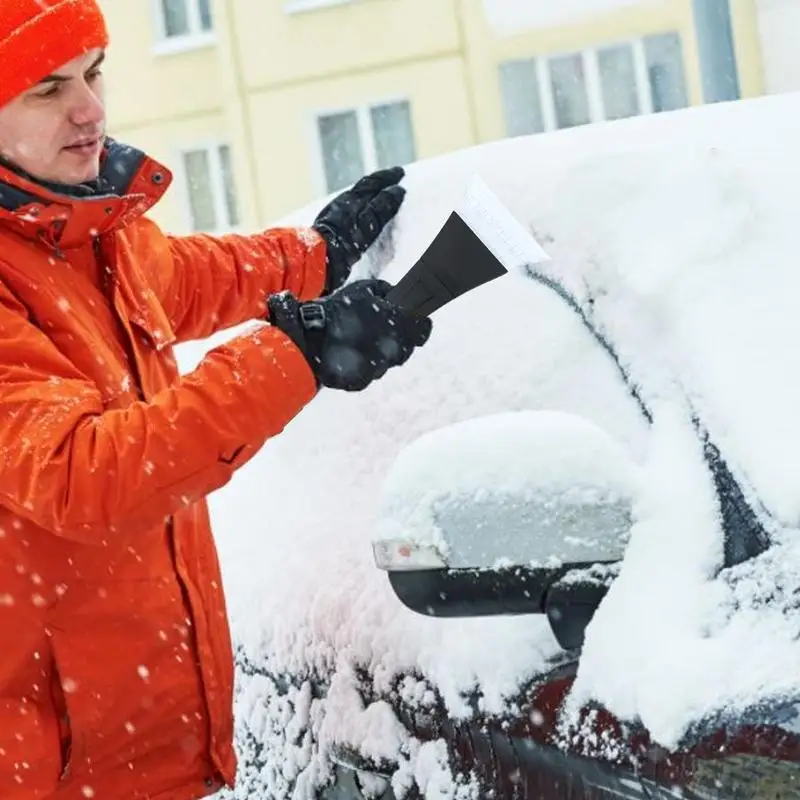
{"points": [[608, 82], [210, 190], [183, 24], [356, 141]]}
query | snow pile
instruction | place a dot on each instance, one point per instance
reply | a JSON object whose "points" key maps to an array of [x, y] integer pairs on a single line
{"points": [[513, 453], [507, 17], [676, 234], [520, 487]]}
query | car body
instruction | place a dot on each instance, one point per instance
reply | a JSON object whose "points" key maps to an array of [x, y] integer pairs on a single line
{"points": [[666, 322]]}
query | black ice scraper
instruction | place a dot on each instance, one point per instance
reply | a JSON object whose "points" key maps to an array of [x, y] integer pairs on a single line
{"points": [[455, 262], [479, 242]]}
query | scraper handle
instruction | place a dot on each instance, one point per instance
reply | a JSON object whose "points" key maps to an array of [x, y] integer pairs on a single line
{"points": [[455, 262]]}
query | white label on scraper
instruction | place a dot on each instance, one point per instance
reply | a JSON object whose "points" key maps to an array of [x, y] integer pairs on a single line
{"points": [[498, 229]]}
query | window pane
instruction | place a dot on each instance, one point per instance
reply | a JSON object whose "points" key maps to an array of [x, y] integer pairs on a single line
{"points": [[176, 17], [231, 203], [569, 91], [394, 134], [204, 9], [201, 195], [618, 82], [342, 155], [664, 55], [522, 101]]}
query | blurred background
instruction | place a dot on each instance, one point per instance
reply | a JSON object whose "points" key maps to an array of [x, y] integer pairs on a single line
{"points": [[260, 106]]}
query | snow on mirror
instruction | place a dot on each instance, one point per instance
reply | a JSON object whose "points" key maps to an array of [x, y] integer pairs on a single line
{"points": [[504, 513]]}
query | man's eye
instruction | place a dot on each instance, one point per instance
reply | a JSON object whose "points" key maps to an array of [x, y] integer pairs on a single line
{"points": [[94, 75], [51, 90]]}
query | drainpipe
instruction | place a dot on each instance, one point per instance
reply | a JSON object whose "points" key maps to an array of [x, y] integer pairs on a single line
{"points": [[717, 50], [463, 46], [237, 111]]}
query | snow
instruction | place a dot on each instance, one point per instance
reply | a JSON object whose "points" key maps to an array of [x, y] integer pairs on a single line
{"points": [[513, 16], [510, 453], [677, 570], [677, 235]]}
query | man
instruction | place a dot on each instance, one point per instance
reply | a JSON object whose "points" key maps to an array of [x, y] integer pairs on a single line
{"points": [[115, 659]]}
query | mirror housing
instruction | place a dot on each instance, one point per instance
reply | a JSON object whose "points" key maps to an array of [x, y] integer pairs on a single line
{"points": [[517, 513]]}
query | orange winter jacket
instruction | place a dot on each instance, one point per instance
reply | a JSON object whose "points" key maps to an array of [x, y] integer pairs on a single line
{"points": [[115, 658]]}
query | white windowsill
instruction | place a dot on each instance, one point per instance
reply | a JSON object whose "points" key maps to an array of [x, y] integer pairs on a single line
{"points": [[299, 6], [172, 45]]}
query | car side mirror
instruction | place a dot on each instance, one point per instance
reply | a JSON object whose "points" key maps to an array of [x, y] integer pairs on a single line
{"points": [[517, 513]]}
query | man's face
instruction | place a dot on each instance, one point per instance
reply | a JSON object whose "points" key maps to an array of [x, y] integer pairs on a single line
{"points": [[55, 130]]}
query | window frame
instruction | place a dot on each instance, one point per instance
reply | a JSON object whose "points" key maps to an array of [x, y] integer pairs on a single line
{"points": [[217, 182], [365, 131], [195, 39], [303, 6], [594, 86]]}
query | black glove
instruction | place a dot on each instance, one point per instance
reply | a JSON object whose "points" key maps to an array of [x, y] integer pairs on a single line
{"points": [[352, 337], [351, 222]]}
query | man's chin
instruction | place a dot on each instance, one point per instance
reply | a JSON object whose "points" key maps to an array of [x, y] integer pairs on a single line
{"points": [[74, 176], [79, 167]]}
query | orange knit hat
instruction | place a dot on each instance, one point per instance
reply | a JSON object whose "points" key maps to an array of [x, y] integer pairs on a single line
{"points": [[39, 36]]}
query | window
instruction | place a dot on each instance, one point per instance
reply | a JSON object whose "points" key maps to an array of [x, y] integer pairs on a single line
{"points": [[187, 23], [609, 82], [570, 93], [210, 189], [522, 99], [357, 141], [617, 69], [665, 71]]}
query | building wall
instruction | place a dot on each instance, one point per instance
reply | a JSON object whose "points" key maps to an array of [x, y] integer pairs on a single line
{"points": [[748, 47], [280, 49], [147, 87], [258, 82], [292, 66], [487, 51], [779, 27], [289, 170]]}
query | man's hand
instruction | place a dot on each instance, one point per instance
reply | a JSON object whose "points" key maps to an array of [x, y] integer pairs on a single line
{"points": [[353, 337], [352, 222]]}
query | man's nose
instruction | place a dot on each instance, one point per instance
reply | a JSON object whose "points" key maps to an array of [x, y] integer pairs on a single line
{"points": [[87, 108]]}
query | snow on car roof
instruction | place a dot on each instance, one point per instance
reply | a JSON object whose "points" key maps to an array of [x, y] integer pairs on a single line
{"points": [[678, 233]]}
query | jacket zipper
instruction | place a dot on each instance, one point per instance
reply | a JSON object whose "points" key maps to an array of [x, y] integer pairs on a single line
{"points": [[107, 289]]}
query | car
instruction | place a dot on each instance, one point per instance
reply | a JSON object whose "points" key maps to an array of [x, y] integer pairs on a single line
{"points": [[556, 555]]}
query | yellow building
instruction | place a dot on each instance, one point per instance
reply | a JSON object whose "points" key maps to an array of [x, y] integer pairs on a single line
{"points": [[259, 106]]}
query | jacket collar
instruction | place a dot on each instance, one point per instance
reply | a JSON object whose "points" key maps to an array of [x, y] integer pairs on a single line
{"points": [[63, 217]]}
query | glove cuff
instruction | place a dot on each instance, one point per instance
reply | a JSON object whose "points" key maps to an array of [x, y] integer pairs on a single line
{"points": [[303, 323], [283, 311], [338, 262]]}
